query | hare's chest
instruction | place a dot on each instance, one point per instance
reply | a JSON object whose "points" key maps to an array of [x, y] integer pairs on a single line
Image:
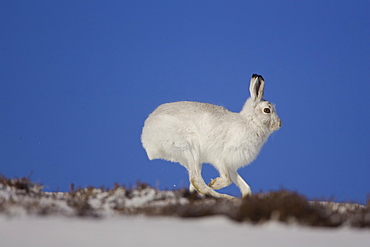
{"points": [[237, 155]]}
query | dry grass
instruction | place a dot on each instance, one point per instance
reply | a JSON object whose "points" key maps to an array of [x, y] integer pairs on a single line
{"points": [[21, 196]]}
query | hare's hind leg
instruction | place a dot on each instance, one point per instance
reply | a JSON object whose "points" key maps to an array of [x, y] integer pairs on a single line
{"points": [[202, 188], [194, 167], [191, 188], [239, 181], [198, 183]]}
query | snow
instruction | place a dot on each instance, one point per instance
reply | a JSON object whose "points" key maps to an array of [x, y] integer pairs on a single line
{"points": [[165, 231], [116, 217]]}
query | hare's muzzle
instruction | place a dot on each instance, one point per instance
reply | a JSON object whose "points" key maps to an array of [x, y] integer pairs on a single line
{"points": [[276, 125]]}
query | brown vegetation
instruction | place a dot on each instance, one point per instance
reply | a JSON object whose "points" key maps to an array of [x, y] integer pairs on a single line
{"points": [[20, 196]]}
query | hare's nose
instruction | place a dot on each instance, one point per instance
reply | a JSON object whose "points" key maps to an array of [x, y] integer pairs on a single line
{"points": [[280, 123]]}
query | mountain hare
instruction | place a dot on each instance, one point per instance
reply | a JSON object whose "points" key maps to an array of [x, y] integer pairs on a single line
{"points": [[192, 133]]}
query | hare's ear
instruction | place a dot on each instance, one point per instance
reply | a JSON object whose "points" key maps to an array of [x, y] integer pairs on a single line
{"points": [[257, 87]]}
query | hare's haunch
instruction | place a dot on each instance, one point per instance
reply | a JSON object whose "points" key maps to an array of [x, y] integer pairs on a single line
{"points": [[193, 133]]}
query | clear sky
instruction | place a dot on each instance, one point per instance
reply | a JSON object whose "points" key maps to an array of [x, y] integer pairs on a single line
{"points": [[78, 79]]}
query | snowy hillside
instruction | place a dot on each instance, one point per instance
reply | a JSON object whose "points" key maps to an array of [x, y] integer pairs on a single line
{"points": [[144, 216]]}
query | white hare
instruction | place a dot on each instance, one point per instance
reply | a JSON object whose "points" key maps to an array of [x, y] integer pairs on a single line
{"points": [[192, 133]]}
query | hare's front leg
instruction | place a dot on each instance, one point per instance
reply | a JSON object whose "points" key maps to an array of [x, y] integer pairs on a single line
{"points": [[239, 181], [198, 183], [222, 181]]}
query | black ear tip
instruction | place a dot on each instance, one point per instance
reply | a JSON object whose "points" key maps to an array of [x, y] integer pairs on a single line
{"points": [[258, 76]]}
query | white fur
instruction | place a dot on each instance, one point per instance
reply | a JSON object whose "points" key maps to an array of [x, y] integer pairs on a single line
{"points": [[193, 133]]}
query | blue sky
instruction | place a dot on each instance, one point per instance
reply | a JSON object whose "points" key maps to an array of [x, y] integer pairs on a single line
{"points": [[78, 79]]}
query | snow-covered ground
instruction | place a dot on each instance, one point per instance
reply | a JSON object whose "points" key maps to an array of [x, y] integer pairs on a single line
{"points": [[144, 216], [164, 231]]}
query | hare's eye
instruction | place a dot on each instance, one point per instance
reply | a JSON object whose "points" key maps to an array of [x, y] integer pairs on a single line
{"points": [[266, 110]]}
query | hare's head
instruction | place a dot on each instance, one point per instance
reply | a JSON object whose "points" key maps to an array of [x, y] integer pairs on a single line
{"points": [[262, 111]]}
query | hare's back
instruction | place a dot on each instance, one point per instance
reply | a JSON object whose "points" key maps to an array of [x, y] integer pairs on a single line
{"points": [[171, 122], [167, 128], [189, 109]]}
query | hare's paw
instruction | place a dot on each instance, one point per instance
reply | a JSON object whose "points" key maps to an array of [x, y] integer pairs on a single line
{"points": [[219, 183], [246, 193], [202, 188], [226, 196]]}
